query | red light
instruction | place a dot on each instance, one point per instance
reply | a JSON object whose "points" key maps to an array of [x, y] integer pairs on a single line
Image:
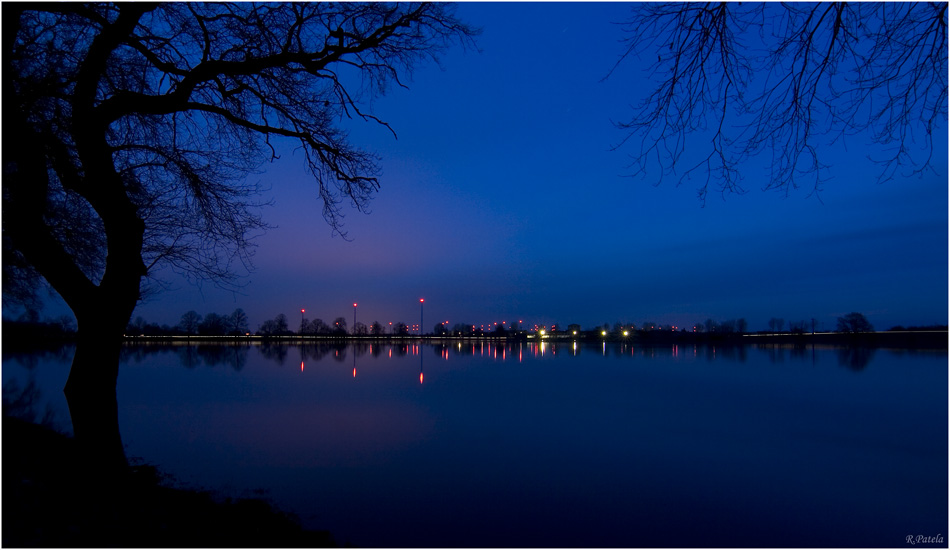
{"points": [[301, 311], [421, 300]]}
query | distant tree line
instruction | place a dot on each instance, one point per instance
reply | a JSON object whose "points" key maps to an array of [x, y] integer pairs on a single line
{"points": [[194, 324], [236, 323], [28, 330]]}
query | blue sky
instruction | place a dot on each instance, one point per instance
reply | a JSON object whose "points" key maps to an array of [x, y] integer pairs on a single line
{"points": [[502, 199]]}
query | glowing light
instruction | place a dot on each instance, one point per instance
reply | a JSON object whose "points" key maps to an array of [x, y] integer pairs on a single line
{"points": [[420, 377], [354, 372], [301, 366]]}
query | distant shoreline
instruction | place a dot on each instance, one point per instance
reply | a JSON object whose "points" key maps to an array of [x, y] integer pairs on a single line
{"points": [[931, 339]]}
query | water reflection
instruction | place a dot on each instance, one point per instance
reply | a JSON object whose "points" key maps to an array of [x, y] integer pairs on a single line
{"points": [[854, 358], [193, 356], [752, 444], [235, 355], [28, 403]]}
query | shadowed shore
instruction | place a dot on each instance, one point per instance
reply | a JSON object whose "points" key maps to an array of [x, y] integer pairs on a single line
{"points": [[49, 500]]}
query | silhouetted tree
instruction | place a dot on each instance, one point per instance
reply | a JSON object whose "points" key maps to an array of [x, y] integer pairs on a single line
{"points": [[854, 322], [317, 326], [137, 326], [276, 326], [376, 328], [360, 329], [189, 322], [213, 325], [776, 324], [785, 79], [339, 325], [137, 123], [401, 329], [742, 325], [237, 322]]}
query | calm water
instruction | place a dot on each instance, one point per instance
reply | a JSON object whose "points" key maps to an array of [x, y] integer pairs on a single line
{"points": [[514, 445]]}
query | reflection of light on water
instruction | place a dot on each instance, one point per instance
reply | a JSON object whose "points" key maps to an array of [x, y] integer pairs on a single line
{"points": [[301, 366], [420, 377], [354, 372]]}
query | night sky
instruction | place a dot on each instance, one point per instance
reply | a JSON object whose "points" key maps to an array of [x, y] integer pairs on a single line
{"points": [[502, 200]]}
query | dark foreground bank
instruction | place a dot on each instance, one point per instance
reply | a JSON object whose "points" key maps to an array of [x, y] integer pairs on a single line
{"points": [[49, 500]]}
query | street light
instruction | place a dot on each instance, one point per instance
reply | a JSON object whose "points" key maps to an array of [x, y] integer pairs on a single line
{"points": [[421, 311], [354, 317]]}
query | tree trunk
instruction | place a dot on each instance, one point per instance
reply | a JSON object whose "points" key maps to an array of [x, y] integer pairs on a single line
{"points": [[91, 396]]}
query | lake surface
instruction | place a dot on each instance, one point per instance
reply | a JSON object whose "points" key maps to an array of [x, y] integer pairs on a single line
{"points": [[483, 444]]}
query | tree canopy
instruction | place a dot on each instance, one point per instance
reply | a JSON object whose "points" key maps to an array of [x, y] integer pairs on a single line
{"points": [[131, 128], [735, 81]]}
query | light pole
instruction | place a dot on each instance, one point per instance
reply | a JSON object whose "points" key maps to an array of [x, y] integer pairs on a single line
{"points": [[421, 305], [354, 317], [301, 319]]}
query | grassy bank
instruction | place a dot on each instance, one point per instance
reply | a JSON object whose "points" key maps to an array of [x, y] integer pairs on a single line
{"points": [[49, 500]]}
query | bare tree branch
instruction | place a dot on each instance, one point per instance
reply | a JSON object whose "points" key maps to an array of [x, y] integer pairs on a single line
{"points": [[141, 124], [784, 80]]}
